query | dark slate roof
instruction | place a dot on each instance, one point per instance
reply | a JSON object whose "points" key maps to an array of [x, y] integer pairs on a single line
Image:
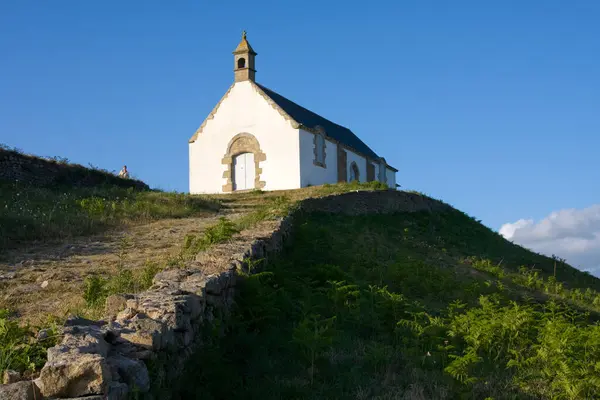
{"points": [[311, 120]]}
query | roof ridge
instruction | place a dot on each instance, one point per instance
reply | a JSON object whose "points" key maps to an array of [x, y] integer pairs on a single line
{"points": [[309, 120]]}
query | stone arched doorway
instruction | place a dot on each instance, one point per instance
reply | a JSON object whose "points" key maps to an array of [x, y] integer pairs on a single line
{"points": [[243, 154]]}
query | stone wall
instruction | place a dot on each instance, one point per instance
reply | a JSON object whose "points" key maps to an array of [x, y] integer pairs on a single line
{"points": [[108, 359], [372, 202], [35, 171]]}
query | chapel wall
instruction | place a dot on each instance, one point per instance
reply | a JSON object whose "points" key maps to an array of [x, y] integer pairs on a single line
{"points": [[390, 178], [312, 174], [245, 110], [360, 162]]}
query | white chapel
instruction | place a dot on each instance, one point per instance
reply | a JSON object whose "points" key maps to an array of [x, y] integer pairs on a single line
{"points": [[255, 138]]}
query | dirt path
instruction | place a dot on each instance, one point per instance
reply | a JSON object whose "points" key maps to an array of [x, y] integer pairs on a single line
{"points": [[42, 279], [48, 279]]}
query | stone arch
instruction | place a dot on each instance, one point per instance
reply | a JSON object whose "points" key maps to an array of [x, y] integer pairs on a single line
{"points": [[243, 143]]}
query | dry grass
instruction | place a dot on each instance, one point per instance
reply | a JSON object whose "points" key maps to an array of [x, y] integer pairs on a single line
{"points": [[45, 278], [65, 265]]}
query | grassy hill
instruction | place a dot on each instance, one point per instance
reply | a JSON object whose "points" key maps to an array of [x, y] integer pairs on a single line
{"points": [[424, 305], [30, 213], [405, 306], [64, 249], [62, 235]]}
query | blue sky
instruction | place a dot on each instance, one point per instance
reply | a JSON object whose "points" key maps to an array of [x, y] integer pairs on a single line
{"points": [[491, 106]]}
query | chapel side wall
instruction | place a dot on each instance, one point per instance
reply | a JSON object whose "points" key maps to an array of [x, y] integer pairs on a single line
{"points": [[374, 165], [391, 178], [311, 174], [378, 168], [360, 162], [389, 175], [245, 110]]}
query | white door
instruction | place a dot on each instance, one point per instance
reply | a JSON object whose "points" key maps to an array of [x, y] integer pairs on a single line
{"points": [[243, 171]]}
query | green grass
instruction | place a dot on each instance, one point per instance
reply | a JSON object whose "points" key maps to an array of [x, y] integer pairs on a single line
{"points": [[29, 213], [270, 208], [98, 288], [404, 306], [20, 349], [125, 281], [342, 187]]}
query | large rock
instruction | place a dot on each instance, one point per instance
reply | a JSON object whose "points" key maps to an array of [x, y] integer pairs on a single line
{"points": [[24, 390], [175, 310], [194, 283], [170, 277], [133, 372], [116, 391], [74, 374], [216, 284], [145, 332], [88, 339]]}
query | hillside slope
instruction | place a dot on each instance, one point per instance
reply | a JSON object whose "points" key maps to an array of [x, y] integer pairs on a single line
{"points": [[405, 306], [64, 250], [415, 305]]}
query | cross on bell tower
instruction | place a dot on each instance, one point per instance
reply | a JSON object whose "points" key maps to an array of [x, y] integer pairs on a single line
{"points": [[243, 58]]}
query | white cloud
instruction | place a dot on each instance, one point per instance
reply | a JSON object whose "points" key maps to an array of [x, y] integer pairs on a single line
{"points": [[573, 234]]}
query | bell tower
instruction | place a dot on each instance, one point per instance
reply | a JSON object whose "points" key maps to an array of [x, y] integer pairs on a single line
{"points": [[243, 58]]}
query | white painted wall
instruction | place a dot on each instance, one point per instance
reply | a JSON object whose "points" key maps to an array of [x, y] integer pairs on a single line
{"points": [[245, 110], [378, 168], [391, 178], [311, 174], [360, 162], [389, 175]]}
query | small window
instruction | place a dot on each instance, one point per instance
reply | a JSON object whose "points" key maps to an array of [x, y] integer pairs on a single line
{"points": [[241, 62], [319, 150]]}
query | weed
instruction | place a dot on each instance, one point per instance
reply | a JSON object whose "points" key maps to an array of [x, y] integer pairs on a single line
{"points": [[147, 274], [124, 281], [20, 349], [217, 233], [95, 291]]}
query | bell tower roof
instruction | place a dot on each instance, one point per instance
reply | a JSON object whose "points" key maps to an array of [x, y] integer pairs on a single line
{"points": [[244, 59], [244, 46]]}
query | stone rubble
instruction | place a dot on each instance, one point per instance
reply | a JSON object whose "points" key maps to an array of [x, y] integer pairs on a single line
{"points": [[24, 390]]}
